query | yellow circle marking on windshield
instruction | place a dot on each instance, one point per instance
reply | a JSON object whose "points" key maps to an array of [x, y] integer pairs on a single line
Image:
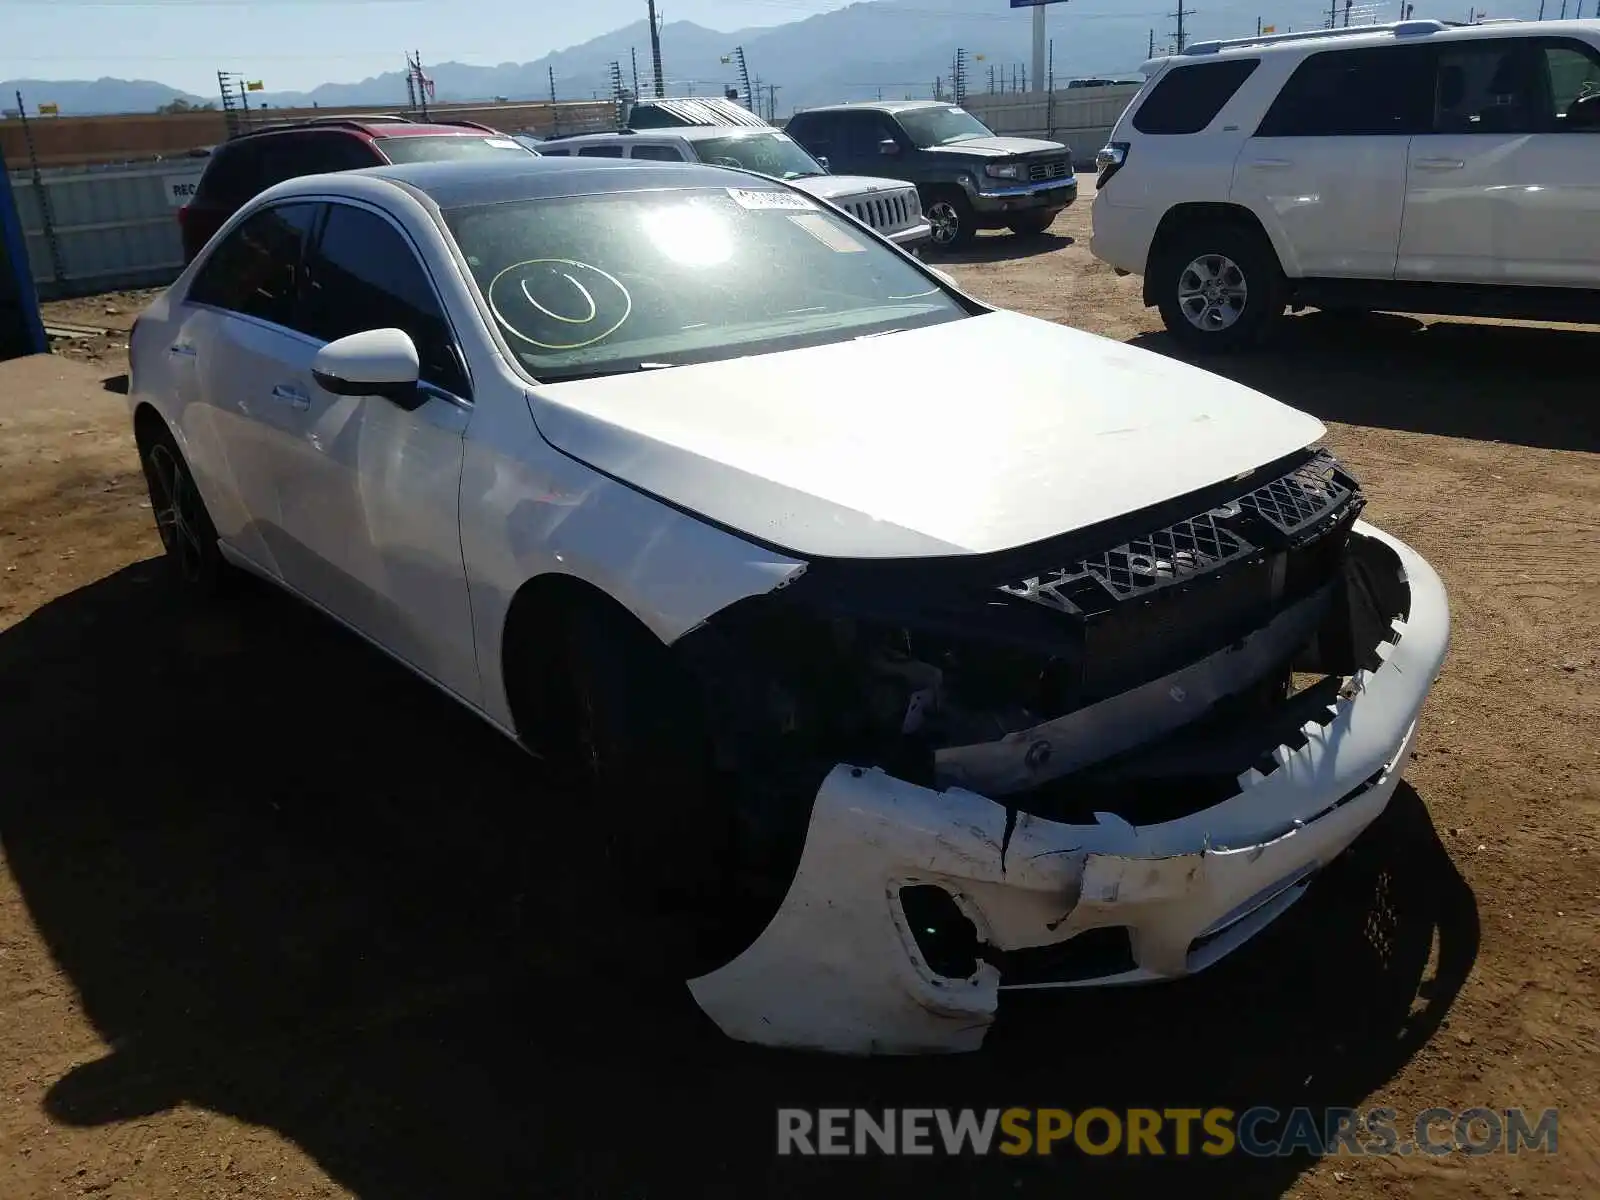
{"points": [[597, 280]]}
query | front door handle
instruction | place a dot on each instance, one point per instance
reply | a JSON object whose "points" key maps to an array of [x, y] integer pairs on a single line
{"points": [[292, 396], [181, 349], [1270, 164], [1439, 164]]}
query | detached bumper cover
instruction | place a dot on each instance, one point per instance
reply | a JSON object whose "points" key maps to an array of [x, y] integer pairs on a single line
{"points": [[839, 969]]}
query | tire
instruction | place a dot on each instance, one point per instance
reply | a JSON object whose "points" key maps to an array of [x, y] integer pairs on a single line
{"points": [[1033, 224], [952, 220], [646, 763], [187, 534], [1228, 278]]}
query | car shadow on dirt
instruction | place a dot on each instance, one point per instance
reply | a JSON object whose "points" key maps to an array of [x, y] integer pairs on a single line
{"points": [[294, 885], [999, 245], [1507, 383]]}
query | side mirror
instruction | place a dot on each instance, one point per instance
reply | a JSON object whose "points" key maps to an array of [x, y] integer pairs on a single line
{"points": [[1583, 113], [375, 362], [822, 161], [888, 146]]}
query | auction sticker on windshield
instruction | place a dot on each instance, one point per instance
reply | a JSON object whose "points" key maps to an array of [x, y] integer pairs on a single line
{"points": [[781, 201], [829, 234]]}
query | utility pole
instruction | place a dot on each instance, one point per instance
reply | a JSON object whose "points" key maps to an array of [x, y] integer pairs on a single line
{"points": [[1180, 39], [744, 77], [1258, 26], [655, 47], [47, 216], [1333, 14], [772, 102], [411, 88], [1038, 45], [633, 53], [1151, 53], [991, 80], [958, 75], [555, 109], [1348, 3]]}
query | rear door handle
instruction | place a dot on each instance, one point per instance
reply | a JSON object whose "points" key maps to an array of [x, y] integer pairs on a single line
{"points": [[292, 396], [1270, 164], [182, 349], [1439, 164]]}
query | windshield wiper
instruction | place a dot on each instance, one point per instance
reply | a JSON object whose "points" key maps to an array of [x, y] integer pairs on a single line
{"points": [[601, 372]]}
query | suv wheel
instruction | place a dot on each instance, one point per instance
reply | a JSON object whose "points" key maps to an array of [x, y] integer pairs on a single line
{"points": [[950, 217], [1219, 288]]}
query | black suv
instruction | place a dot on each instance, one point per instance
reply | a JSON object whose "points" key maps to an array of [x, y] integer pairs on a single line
{"points": [[968, 177], [244, 166]]}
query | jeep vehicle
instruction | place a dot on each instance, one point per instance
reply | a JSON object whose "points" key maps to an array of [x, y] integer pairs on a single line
{"points": [[968, 177], [249, 163], [1420, 167], [889, 207]]}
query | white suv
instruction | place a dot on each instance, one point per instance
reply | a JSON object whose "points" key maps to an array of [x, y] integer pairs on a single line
{"points": [[889, 207], [1418, 167]]}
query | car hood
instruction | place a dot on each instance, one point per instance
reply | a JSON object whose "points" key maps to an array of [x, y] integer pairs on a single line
{"points": [[998, 147], [973, 436], [831, 187]]}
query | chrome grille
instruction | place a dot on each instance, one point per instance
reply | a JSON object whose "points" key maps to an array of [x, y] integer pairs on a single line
{"points": [[1054, 168], [881, 212]]}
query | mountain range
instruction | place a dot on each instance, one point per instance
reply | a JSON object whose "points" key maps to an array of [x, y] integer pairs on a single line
{"points": [[892, 48]]}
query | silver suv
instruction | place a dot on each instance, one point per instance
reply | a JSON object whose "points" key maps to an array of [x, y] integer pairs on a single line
{"points": [[890, 207]]}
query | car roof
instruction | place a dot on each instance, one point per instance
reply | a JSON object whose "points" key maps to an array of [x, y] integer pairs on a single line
{"points": [[881, 105], [376, 129], [452, 184], [689, 133], [1419, 32]]}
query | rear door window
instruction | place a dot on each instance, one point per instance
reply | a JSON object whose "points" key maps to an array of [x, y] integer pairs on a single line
{"points": [[600, 151], [1349, 93], [255, 270], [657, 153], [1187, 99], [232, 176]]}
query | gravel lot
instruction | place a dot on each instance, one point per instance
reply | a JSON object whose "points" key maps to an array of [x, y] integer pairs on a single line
{"points": [[275, 920]]}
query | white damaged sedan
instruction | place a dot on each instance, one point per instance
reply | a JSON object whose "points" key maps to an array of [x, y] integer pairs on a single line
{"points": [[913, 651]]}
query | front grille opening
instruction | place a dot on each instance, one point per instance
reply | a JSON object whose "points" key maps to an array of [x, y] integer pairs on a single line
{"points": [[946, 938], [1092, 954]]}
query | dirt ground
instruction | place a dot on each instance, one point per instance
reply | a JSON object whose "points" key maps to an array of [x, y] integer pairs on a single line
{"points": [[275, 920]]}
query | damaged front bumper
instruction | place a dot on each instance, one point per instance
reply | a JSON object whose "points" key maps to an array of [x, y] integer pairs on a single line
{"points": [[841, 967]]}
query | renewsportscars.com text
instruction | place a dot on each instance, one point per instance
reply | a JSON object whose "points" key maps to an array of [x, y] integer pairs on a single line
{"points": [[1261, 1131]]}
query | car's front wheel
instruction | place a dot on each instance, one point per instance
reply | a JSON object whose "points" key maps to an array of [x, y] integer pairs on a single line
{"points": [[950, 219], [187, 535], [1219, 287]]}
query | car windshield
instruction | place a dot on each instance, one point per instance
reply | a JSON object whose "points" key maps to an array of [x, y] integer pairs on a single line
{"points": [[775, 154], [941, 126], [630, 281], [448, 147]]}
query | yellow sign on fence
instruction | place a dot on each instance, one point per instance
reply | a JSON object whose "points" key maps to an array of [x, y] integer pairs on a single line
{"points": [[49, 110], [255, 85]]}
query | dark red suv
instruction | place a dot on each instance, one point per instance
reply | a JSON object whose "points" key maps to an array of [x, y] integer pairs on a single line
{"points": [[247, 165]]}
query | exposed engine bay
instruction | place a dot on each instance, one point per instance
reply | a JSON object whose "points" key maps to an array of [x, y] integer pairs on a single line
{"points": [[1044, 685], [956, 779]]}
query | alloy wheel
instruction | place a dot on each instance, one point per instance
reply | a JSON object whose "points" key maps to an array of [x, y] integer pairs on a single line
{"points": [[1212, 292]]}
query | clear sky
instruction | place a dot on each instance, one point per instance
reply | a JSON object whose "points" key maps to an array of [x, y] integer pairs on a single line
{"points": [[293, 45], [297, 44]]}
